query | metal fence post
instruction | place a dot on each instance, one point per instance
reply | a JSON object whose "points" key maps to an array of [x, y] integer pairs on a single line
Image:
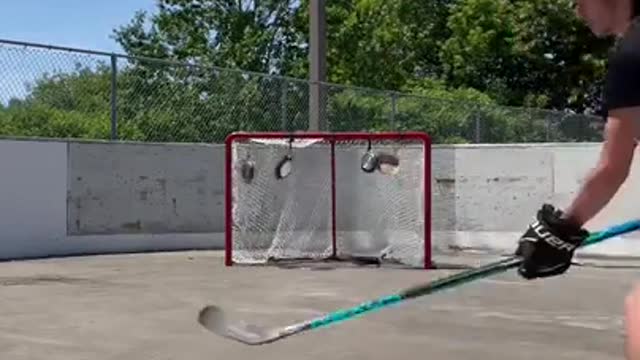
{"points": [[284, 121], [317, 65], [114, 97], [478, 127], [392, 118]]}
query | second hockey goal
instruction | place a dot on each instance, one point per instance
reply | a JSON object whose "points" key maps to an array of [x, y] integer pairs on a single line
{"points": [[322, 196]]}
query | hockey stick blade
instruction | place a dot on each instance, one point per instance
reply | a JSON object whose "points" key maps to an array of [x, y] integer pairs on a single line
{"points": [[213, 318]]}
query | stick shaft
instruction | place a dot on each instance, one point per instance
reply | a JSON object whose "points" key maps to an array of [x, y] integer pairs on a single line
{"points": [[211, 321], [450, 281]]}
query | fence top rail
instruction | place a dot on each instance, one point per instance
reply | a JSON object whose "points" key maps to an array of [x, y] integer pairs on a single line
{"points": [[142, 58], [392, 93]]}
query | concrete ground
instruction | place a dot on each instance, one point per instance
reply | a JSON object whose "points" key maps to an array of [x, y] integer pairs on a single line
{"points": [[144, 306]]}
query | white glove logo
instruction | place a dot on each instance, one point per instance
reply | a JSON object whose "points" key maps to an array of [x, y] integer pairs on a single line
{"points": [[551, 239]]}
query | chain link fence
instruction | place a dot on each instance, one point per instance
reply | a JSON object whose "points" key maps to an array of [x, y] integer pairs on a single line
{"points": [[48, 91]]}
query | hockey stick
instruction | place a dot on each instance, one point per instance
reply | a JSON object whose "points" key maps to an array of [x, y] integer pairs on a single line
{"points": [[212, 317]]}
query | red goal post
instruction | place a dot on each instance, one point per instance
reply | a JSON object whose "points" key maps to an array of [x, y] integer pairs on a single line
{"points": [[314, 196]]}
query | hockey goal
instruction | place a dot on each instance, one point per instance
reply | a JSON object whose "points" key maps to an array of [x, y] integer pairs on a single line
{"points": [[328, 196]]}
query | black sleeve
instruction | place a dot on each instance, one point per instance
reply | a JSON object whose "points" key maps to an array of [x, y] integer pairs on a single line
{"points": [[622, 88]]}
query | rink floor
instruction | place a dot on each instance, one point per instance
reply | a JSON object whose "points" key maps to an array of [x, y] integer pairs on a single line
{"points": [[144, 306]]}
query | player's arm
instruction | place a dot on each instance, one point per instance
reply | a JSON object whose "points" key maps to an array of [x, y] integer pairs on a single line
{"points": [[612, 169], [548, 244], [622, 101]]}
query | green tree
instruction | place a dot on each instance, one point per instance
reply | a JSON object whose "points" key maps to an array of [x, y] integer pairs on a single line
{"points": [[532, 53], [65, 105], [380, 44], [563, 61], [249, 35], [373, 43], [450, 62], [73, 104]]}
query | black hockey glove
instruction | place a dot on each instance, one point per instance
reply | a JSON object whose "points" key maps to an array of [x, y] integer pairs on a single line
{"points": [[548, 244]]}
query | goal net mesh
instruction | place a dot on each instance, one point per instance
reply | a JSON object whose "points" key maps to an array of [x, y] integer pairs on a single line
{"points": [[378, 216]]}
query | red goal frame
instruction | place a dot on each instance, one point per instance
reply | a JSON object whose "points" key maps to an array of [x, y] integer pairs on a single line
{"points": [[332, 137]]}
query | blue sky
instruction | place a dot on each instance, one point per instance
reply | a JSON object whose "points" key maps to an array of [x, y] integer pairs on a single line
{"points": [[86, 24], [75, 23]]}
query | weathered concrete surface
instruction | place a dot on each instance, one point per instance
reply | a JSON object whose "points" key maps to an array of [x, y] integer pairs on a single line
{"points": [[112, 197], [444, 189], [150, 188], [496, 186], [496, 189], [144, 307]]}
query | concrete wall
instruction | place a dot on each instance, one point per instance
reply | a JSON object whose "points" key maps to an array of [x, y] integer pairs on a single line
{"points": [[135, 188], [63, 198], [485, 195], [33, 186], [60, 198]]}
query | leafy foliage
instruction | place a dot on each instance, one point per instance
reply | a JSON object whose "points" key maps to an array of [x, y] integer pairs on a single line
{"points": [[525, 53], [459, 69]]}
